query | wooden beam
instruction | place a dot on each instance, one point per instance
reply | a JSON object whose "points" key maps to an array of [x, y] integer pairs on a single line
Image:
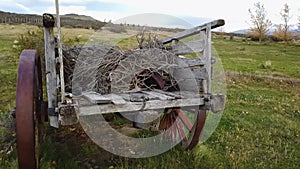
{"points": [[199, 73], [158, 95], [60, 55], [50, 63], [187, 48], [94, 109], [192, 62], [96, 98], [193, 31]]}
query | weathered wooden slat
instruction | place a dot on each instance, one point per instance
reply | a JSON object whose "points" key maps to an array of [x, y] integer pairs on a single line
{"points": [[199, 73], [172, 94], [158, 95], [51, 80], [95, 109], [115, 99], [187, 48], [191, 62], [193, 31], [137, 96], [96, 98]]}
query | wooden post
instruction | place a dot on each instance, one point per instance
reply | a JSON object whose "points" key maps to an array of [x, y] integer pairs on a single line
{"points": [[61, 64], [208, 56], [48, 22]]}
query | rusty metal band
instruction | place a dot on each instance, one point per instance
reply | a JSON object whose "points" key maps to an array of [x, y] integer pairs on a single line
{"points": [[25, 108]]}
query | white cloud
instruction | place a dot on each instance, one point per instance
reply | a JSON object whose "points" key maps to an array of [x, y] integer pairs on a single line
{"points": [[28, 10], [67, 9]]}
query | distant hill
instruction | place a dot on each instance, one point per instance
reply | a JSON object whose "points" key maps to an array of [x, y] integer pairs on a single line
{"points": [[68, 20], [242, 31], [293, 29], [80, 17]]}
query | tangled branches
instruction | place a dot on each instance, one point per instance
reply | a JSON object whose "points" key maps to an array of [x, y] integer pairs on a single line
{"points": [[147, 39], [107, 69], [89, 67]]}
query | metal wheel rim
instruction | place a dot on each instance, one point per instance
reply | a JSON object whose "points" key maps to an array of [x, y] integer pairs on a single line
{"points": [[28, 109]]}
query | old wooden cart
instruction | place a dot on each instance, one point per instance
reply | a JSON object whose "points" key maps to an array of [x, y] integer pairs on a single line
{"points": [[59, 109]]}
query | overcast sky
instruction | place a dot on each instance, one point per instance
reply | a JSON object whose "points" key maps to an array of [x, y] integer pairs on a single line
{"points": [[235, 12]]}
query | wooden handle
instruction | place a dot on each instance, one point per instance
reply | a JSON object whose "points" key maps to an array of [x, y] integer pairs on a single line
{"points": [[193, 31]]}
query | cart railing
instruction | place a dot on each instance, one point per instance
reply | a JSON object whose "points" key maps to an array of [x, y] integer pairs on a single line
{"points": [[194, 31]]}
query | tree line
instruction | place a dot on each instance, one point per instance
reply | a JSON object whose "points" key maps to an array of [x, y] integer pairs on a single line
{"points": [[66, 20], [16, 20]]}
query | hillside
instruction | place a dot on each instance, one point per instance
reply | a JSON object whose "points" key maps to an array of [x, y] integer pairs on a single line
{"points": [[68, 20], [293, 28], [80, 17]]}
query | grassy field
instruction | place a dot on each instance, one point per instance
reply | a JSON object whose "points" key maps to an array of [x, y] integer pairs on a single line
{"points": [[260, 127], [272, 59]]}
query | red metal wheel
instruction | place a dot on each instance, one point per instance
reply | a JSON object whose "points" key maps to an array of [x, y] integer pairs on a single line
{"points": [[176, 125], [28, 109]]}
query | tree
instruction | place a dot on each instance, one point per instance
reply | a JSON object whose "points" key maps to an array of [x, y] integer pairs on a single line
{"points": [[260, 23], [299, 26], [299, 22], [221, 31], [282, 32]]}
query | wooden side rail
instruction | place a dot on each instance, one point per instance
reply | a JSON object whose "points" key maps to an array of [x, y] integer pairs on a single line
{"points": [[93, 103], [193, 31]]}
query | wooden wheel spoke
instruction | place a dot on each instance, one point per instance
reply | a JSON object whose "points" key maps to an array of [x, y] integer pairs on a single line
{"points": [[174, 127], [181, 132], [162, 123], [184, 119], [176, 124]]}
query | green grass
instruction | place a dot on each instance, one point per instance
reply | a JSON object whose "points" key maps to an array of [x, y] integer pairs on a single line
{"points": [[8, 75], [260, 127], [249, 56]]}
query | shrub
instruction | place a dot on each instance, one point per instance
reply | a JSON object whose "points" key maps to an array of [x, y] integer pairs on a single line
{"points": [[32, 39]]}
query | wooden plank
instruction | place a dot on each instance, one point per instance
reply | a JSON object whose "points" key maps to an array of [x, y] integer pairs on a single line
{"points": [[193, 31], [192, 62], [182, 73], [51, 80], [200, 73], [115, 99], [60, 55], [190, 79], [137, 97], [208, 57], [158, 95], [95, 109], [50, 67], [96, 98], [187, 48], [176, 96]]}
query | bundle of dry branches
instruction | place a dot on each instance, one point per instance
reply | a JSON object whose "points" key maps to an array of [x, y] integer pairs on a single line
{"points": [[89, 67], [107, 69]]}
